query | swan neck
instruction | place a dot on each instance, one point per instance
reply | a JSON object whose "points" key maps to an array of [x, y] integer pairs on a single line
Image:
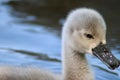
{"points": [[75, 66]]}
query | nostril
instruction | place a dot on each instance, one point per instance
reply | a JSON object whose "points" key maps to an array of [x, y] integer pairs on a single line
{"points": [[106, 51]]}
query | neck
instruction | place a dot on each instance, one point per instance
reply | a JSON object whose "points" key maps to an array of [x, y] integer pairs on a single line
{"points": [[75, 66]]}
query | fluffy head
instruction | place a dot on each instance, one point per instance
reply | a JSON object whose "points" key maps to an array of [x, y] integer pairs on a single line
{"points": [[83, 30]]}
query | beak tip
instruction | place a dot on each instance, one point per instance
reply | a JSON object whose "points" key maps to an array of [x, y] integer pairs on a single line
{"points": [[113, 67]]}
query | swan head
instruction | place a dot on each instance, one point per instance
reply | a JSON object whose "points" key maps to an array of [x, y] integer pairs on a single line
{"points": [[85, 32]]}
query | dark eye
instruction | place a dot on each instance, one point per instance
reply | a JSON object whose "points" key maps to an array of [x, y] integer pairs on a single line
{"points": [[89, 36]]}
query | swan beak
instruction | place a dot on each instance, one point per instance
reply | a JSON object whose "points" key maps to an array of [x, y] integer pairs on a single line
{"points": [[104, 54]]}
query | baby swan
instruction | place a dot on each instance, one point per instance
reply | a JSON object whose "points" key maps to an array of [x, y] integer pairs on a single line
{"points": [[84, 32]]}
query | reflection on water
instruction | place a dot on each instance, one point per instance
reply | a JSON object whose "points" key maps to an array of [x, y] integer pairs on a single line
{"points": [[30, 35]]}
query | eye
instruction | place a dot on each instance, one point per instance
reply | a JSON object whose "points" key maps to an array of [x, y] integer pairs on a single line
{"points": [[89, 36]]}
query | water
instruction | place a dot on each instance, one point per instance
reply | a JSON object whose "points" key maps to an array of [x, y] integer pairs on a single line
{"points": [[30, 39]]}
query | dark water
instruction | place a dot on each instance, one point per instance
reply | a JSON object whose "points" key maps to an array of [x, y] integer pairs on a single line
{"points": [[31, 37]]}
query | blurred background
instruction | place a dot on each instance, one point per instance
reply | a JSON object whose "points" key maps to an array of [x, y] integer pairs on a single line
{"points": [[30, 33]]}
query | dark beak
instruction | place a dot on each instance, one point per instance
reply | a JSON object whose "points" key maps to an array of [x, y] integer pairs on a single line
{"points": [[104, 54]]}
